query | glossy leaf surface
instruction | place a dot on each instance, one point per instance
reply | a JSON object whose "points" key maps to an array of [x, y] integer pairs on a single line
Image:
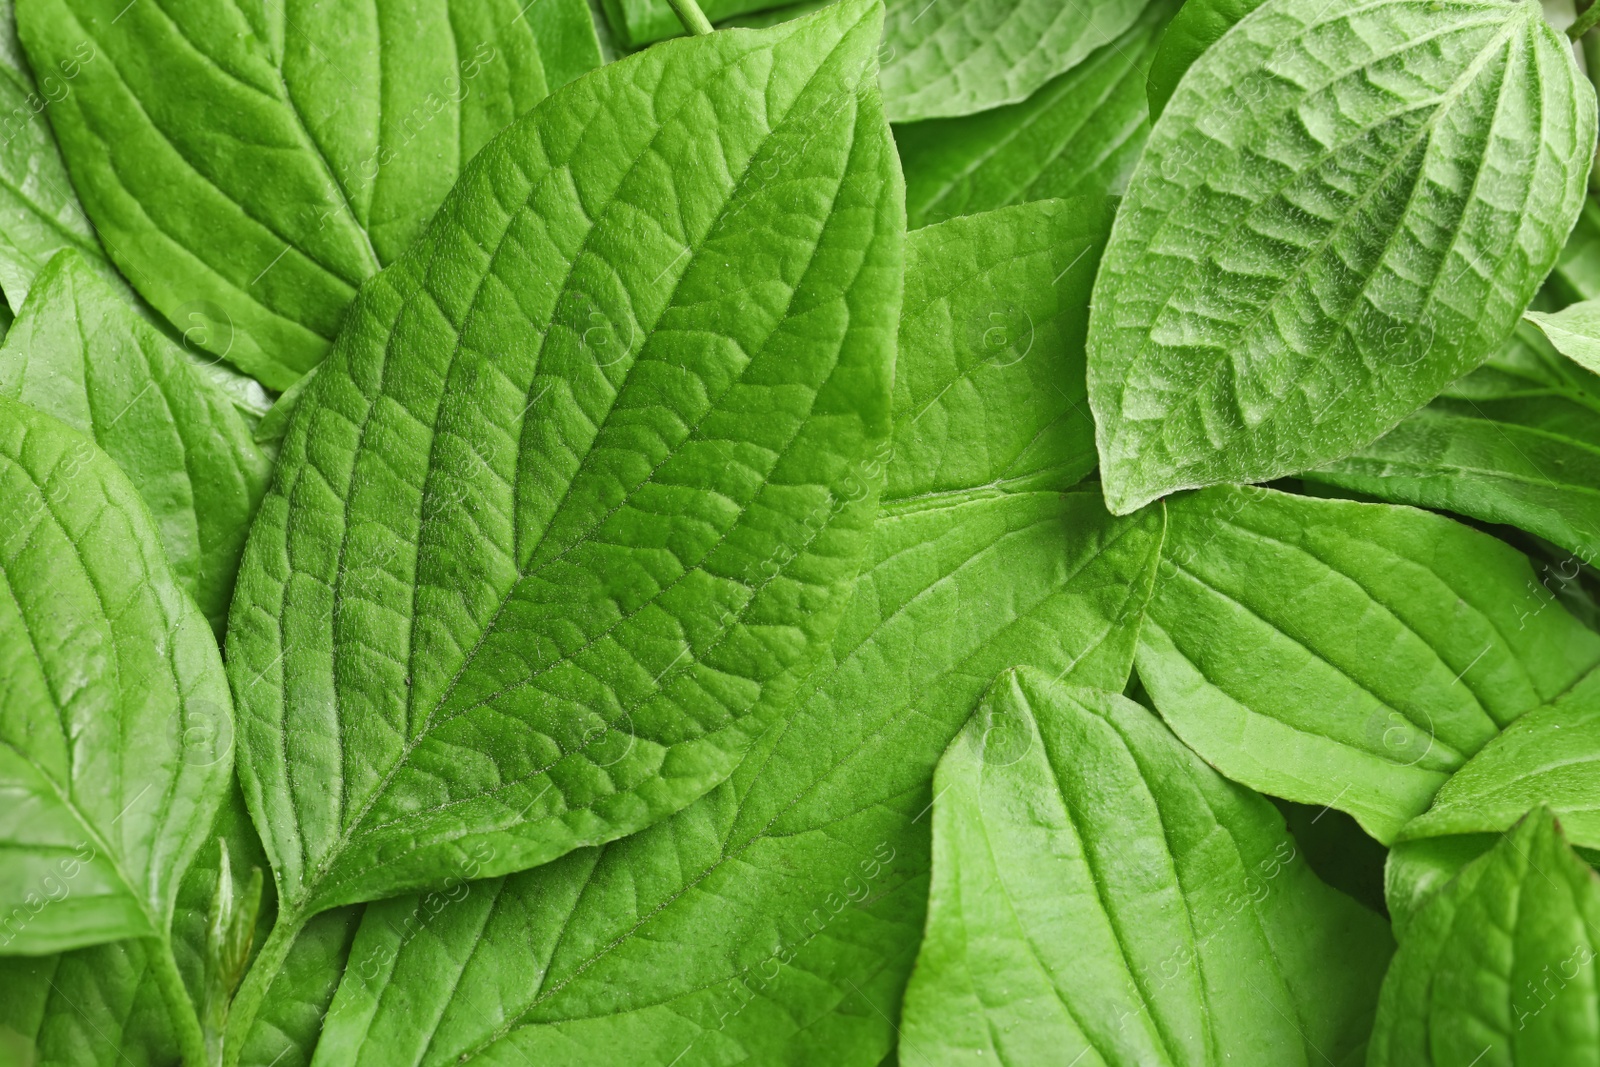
{"points": [[1278, 289]]}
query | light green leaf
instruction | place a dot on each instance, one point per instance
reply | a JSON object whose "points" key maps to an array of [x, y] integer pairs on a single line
{"points": [[1498, 969], [775, 920], [1550, 756], [41, 212], [1575, 331], [115, 720], [1577, 273], [257, 166], [80, 352], [1517, 442], [1344, 654], [953, 57], [583, 485], [1344, 207], [1099, 892], [1078, 135], [1197, 26]]}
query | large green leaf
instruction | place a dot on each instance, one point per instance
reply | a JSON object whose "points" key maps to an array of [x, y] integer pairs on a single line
{"points": [[115, 720], [1344, 207], [80, 352], [41, 213], [1078, 135], [258, 163], [1498, 969], [1197, 26], [1344, 654], [961, 56], [775, 920], [584, 483], [1517, 442], [1100, 893]]}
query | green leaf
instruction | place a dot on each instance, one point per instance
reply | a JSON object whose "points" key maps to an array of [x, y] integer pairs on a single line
{"points": [[1078, 135], [583, 485], [1577, 273], [41, 212], [971, 55], [115, 720], [1344, 207], [80, 352], [1197, 26], [776, 919], [259, 164], [1344, 654], [1550, 756], [1498, 969], [1099, 892], [1516, 442], [1575, 331], [286, 1032]]}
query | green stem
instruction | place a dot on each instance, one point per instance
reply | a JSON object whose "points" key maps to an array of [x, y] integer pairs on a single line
{"points": [[1584, 22], [180, 1006], [253, 990], [694, 20]]}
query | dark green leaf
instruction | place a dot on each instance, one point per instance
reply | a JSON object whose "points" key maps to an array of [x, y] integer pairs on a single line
{"points": [[258, 164], [1344, 207], [1100, 893], [1198, 25], [583, 485], [1344, 654], [80, 352], [1078, 135], [114, 712], [1516, 442], [776, 919], [1498, 969]]}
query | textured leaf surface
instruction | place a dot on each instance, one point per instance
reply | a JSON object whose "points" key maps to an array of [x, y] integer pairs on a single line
{"points": [[954, 57], [1575, 331], [41, 213], [1352, 655], [1197, 26], [258, 165], [1080, 134], [1498, 969], [115, 719], [80, 352], [584, 482], [776, 919], [1344, 207], [1550, 756], [1517, 442], [1099, 892]]}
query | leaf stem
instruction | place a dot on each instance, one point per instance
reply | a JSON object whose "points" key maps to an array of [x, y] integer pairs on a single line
{"points": [[1585, 22], [694, 20], [253, 990], [180, 1006]]}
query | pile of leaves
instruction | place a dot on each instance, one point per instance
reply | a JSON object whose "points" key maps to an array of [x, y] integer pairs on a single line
{"points": [[947, 531]]}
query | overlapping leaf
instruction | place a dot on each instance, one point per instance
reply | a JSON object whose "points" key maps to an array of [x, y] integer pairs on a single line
{"points": [[254, 165], [585, 480], [80, 352], [1198, 25], [1343, 208], [1499, 968], [1344, 654], [776, 919], [1517, 442], [115, 720], [1100, 893], [1079, 134]]}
